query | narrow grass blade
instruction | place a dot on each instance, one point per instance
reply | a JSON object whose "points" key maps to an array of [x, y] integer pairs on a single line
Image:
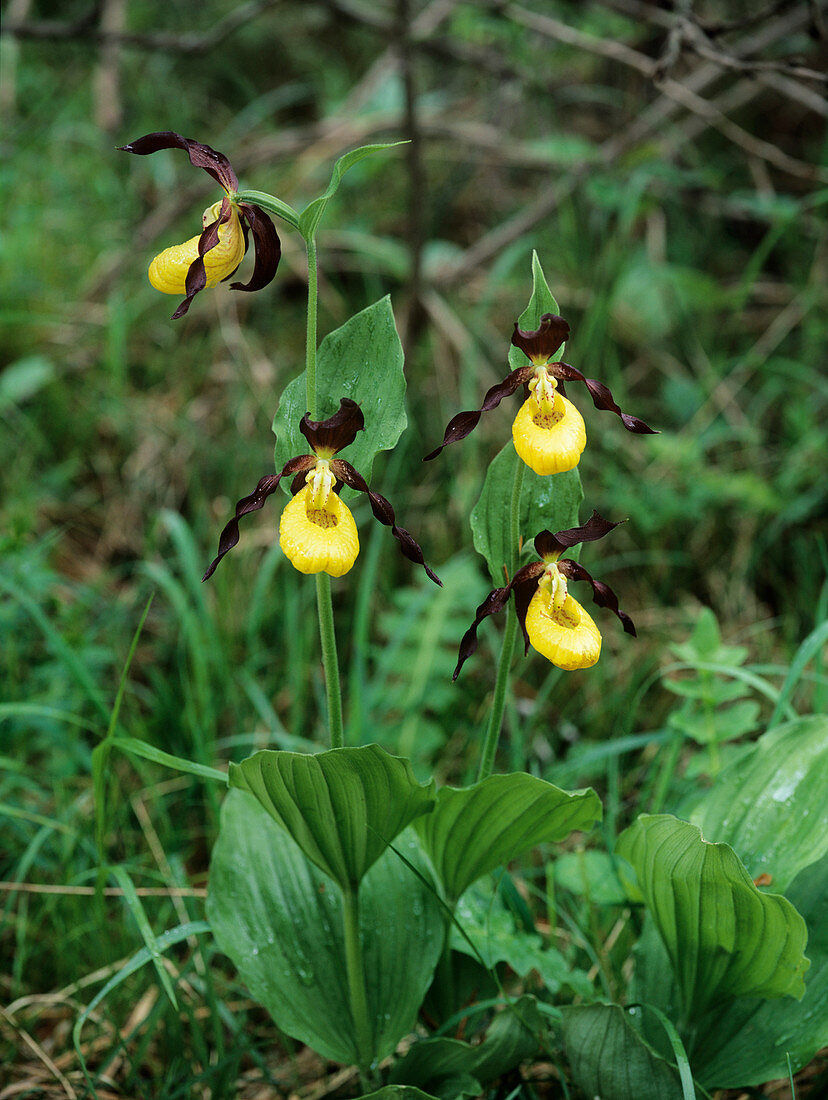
{"points": [[158, 756], [809, 648], [145, 928]]}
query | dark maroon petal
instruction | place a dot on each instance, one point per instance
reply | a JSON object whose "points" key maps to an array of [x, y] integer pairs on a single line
{"points": [[549, 545], [196, 279], [525, 585], [337, 431], [542, 344], [494, 602], [267, 247], [601, 397], [384, 512], [465, 422], [201, 156], [229, 537], [603, 595]]}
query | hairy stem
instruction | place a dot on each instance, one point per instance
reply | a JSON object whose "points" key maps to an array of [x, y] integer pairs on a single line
{"points": [[502, 683], [310, 342], [324, 606], [330, 661]]}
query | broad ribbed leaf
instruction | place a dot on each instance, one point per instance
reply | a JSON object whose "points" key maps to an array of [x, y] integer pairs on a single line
{"points": [[609, 1059], [747, 1043], [280, 920], [473, 830], [363, 360], [513, 1036], [546, 504], [343, 807], [724, 938], [772, 806]]}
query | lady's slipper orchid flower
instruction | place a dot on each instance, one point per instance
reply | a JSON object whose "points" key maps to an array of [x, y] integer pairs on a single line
{"points": [[317, 531], [552, 621], [548, 432], [213, 255]]}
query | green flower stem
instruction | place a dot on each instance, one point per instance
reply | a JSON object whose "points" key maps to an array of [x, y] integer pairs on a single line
{"points": [[324, 605], [506, 653], [271, 204], [310, 344], [356, 980], [330, 661]]}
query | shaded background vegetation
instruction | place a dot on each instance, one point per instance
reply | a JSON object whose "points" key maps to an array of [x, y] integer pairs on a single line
{"points": [[667, 163]]}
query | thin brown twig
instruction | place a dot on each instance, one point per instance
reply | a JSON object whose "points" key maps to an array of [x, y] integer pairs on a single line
{"points": [[85, 30], [650, 120], [40, 1054], [108, 891]]}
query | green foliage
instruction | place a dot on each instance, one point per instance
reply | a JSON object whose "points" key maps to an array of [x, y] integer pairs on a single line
{"points": [[363, 360], [487, 931], [311, 216], [281, 922], [609, 1058], [343, 808], [546, 504], [474, 829], [512, 1037], [694, 286], [770, 805], [714, 710], [724, 937]]}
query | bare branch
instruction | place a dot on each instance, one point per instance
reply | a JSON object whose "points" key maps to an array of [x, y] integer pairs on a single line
{"points": [[86, 30]]}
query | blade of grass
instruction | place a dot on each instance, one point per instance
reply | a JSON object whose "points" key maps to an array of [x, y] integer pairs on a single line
{"points": [[145, 928], [100, 754], [158, 756], [809, 648]]}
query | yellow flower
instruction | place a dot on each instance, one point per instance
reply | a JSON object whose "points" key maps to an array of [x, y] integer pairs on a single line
{"points": [[566, 634], [548, 432], [552, 621], [317, 531], [206, 260], [549, 435], [168, 270]]}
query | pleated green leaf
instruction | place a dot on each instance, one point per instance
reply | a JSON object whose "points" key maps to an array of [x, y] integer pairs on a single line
{"points": [[749, 1040], [363, 360], [280, 921], [724, 938], [513, 1036], [609, 1058], [473, 830], [342, 807], [771, 806]]}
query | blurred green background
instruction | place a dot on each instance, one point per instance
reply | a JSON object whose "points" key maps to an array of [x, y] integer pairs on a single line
{"points": [[672, 177]]}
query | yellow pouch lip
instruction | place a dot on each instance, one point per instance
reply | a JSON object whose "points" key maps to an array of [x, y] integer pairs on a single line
{"points": [[313, 548], [168, 270], [551, 450], [568, 638]]}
